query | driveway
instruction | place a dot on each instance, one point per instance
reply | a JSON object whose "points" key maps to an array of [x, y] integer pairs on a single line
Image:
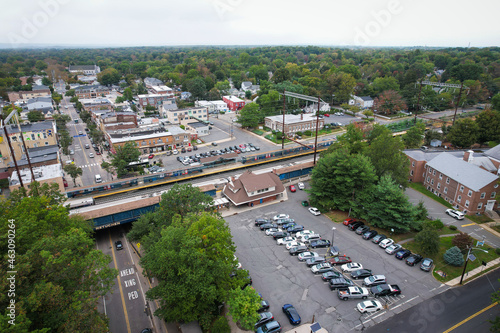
{"points": [[281, 278]]}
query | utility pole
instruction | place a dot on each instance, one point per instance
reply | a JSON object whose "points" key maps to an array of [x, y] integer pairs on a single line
{"points": [[24, 146], [283, 125], [418, 101], [316, 137], [458, 102], [11, 150]]}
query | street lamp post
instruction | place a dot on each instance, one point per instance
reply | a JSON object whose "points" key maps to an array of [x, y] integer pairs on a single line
{"points": [[333, 233], [467, 260]]}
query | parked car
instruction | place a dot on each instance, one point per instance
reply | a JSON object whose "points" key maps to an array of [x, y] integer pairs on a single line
{"points": [[352, 292], [319, 243], [393, 248], [333, 251], [292, 188], [151, 156], [304, 232], [314, 261], [426, 264], [307, 255], [280, 234], [386, 243], [374, 280], [361, 273], [284, 221], [355, 225], [413, 259], [305, 203], [266, 226], [298, 249], [264, 317], [378, 238], [455, 213], [341, 283], [327, 276], [362, 229], [403, 254], [264, 306], [292, 314], [288, 225], [271, 231], [295, 228], [283, 241], [91, 155], [315, 211], [293, 244], [259, 221], [369, 306], [301, 186], [340, 260], [281, 216], [370, 234], [351, 267], [321, 268], [270, 327], [349, 221], [385, 290]]}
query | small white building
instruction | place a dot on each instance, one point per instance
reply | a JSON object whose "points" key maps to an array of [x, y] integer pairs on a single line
{"points": [[364, 102]]}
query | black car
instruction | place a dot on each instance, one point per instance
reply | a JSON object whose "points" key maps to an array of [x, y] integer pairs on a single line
{"points": [[385, 290], [361, 274], [292, 314], [147, 330], [268, 225], [284, 221], [280, 234], [296, 228], [298, 249], [288, 225], [264, 317], [402, 254], [195, 147], [264, 306], [370, 234], [183, 150], [331, 275], [340, 283], [119, 245], [426, 265], [261, 221], [362, 229], [355, 225], [270, 327], [320, 243], [413, 259], [377, 239]]}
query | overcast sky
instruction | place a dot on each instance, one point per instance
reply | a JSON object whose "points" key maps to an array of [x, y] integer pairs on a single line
{"points": [[251, 22]]}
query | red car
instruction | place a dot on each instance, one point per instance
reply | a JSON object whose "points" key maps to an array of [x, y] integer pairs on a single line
{"points": [[97, 152], [292, 188], [349, 221], [151, 156], [327, 115], [340, 260]]}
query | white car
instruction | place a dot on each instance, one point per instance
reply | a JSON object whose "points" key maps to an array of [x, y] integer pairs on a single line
{"points": [[385, 243], [351, 267], [271, 231], [175, 152], [301, 186], [303, 233], [369, 306], [393, 248], [321, 268], [91, 155], [315, 211], [281, 216], [294, 244], [307, 255], [455, 213], [285, 240], [71, 152]]}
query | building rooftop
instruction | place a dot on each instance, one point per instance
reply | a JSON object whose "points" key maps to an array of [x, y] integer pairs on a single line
{"points": [[41, 173], [197, 124], [293, 118], [31, 127], [234, 99], [494, 152]]}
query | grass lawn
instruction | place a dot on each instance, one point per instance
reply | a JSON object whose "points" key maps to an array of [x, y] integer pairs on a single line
{"points": [[452, 271], [258, 131], [479, 218], [337, 216], [496, 228], [421, 188]]}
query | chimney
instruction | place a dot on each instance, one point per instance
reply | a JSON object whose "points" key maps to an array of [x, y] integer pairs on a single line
{"points": [[301, 116], [468, 156]]}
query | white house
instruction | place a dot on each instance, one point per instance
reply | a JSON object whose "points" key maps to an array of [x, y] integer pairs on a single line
{"points": [[364, 102]]}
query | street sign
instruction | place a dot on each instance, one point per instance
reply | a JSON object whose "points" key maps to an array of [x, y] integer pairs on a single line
{"points": [[472, 257]]}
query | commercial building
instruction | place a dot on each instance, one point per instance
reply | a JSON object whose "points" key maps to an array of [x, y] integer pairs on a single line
{"points": [[180, 115], [294, 123], [153, 99], [84, 69], [233, 103], [92, 91], [252, 189]]}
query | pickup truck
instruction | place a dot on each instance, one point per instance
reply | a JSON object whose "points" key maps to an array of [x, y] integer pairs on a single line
{"points": [[352, 292], [385, 290]]}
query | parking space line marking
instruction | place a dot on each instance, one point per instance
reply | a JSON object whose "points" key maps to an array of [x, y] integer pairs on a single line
{"points": [[468, 225], [411, 299], [304, 295]]}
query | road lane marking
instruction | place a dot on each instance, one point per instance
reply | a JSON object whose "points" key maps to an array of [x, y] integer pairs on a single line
{"points": [[468, 225], [471, 317], [304, 295], [120, 285]]}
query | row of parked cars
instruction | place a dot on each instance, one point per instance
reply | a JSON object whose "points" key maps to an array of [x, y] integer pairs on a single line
{"points": [[389, 245]]}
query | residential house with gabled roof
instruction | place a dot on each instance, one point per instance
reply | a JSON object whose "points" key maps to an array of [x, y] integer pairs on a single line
{"points": [[253, 189], [470, 183], [364, 102], [85, 69]]}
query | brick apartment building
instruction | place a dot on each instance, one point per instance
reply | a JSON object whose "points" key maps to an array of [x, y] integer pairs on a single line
{"points": [[294, 123], [92, 91], [96, 104], [154, 99], [233, 103], [468, 182]]}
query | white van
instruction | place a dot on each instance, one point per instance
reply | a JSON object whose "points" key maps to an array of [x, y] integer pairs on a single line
{"points": [[98, 178]]}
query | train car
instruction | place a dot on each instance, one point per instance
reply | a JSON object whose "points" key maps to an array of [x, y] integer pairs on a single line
{"points": [[78, 203]]}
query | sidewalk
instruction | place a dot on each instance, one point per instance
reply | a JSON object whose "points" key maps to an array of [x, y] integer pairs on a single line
{"points": [[472, 274]]}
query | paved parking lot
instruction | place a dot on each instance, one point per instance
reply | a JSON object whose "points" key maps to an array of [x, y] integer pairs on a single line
{"points": [[281, 278]]}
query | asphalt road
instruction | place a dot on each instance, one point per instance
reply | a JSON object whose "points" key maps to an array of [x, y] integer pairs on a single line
{"points": [[443, 311], [281, 278]]}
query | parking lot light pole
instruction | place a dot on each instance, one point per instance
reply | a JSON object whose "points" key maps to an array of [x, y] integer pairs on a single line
{"points": [[333, 233], [467, 260]]}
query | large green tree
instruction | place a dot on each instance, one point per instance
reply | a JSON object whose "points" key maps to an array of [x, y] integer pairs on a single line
{"points": [[414, 136], [73, 171], [250, 115], [464, 133], [352, 140], [193, 261], [339, 178], [60, 274], [108, 76], [124, 155], [243, 305], [488, 123], [427, 240]]}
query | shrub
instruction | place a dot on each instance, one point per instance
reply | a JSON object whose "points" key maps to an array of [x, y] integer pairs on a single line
{"points": [[307, 133], [299, 133], [436, 224], [221, 326], [497, 250], [453, 227], [453, 256], [462, 241]]}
